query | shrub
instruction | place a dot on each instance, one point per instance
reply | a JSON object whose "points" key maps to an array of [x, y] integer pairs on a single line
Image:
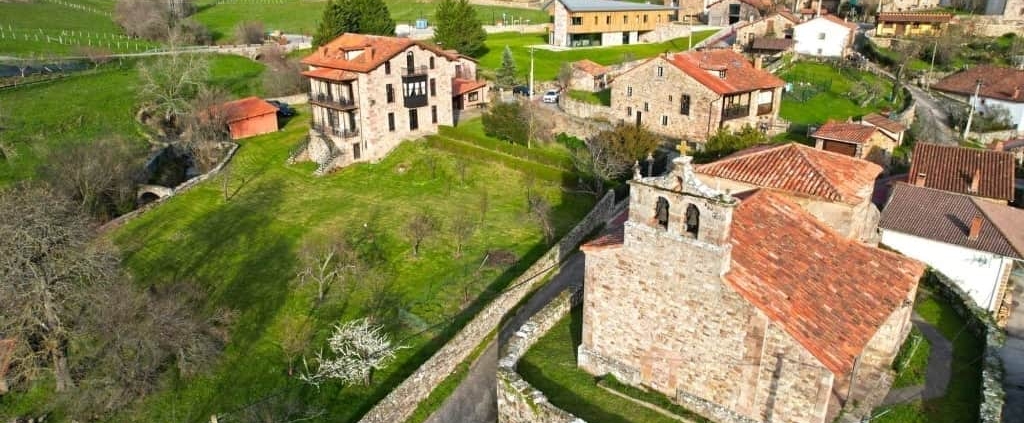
{"points": [[505, 121]]}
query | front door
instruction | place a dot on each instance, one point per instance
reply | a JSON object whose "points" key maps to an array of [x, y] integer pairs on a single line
{"points": [[625, 37], [414, 122], [639, 121], [357, 151]]}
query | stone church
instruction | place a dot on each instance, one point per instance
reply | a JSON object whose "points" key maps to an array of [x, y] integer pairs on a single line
{"points": [[741, 306]]}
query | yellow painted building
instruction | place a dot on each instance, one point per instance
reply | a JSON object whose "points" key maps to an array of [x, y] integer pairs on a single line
{"points": [[578, 23], [899, 24]]}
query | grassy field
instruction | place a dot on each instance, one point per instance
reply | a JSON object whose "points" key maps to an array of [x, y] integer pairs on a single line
{"points": [[960, 404], [912, 360], [550, 366], [243, 253], [24, 28], [602, 98], [547, 62], [834, 103], [82, 108]]}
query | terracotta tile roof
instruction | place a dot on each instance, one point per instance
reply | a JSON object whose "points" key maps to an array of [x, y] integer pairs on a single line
{"points": [[740, 75], [612, 236], [996, 82], [330, 74], [800, 169], [946, 217], [1008, 145], [829, 293], [788, 15], [772, 43], [883, 122], [915, 17], [846, 132], [590, 67], [835, 19], [462, 86], [246, 108], [375, 50], [953, 168]]}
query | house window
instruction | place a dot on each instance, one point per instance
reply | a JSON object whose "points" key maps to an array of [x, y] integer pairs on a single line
{"points": [[692, 220], [645, 18], [433, 88], [391, 122], [410, 61], [387, 67], [684, 105], [414, 120], [608, 20], [433, 114], [474, 96], [356, 151], [389, 93], [664, 120], [819, 52], [764, 102], [595, 20], [431, 62], [661, 71], [661, 212], [577, 20], [647, 106], [625, 19], [629, 111], [629, 91], [821, 35]]}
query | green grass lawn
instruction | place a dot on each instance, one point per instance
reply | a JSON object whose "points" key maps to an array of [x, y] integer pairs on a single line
{"points": [[550, 366], [82, 108], [243, 253], [547, 62], [960, 404], [834, 103], [602, 98], [911, 362], [76, 28]]}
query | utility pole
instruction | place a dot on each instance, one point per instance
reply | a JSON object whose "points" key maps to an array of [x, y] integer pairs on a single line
{"points": [[931, 68], [529, 137], [531, 73], [974, 100]]}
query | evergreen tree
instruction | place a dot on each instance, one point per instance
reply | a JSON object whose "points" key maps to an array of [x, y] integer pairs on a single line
{"points": [[459, 28], [356, 16], [372, 17], [335, 21], [506, 74]]}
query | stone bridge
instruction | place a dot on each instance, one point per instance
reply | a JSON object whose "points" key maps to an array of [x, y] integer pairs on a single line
{"points": [[151, 193]]}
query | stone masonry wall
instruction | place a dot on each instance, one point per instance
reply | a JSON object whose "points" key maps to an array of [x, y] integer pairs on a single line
{"points": [[665, 32], [584, 110], [400, 403]]}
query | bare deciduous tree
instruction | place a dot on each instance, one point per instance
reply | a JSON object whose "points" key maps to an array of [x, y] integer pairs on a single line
{"points": [[295, 336], [327, 261], [359, 347], [206, 127], [462, 229], [540, 212], [100, 177], [598, 161], [249, 32], [283, 75], [154, 20], [169, 83], [420, 227], [96, 55], [565, 76]]}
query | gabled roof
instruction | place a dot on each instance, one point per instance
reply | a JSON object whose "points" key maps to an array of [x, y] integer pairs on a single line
{"points": [[740, 75], [833, 19], [330, 74], [772, 43], [783, 13], [846, 132], [829, 293], [589, 67], [946, 217], [883, 122], [801, 169], [368, 52], [996, 82], [953, 169], [914, 17], [462, 86], [246, 108], [605, 6]]}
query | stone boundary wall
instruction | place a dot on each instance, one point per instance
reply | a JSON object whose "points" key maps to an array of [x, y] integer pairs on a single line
{"points": [[988, 137], [584, 110], [716, 37], [518, 401], [400, 403], [292, 99], [907, 115], [184, 186], [991, 26], [665, 32], [980, 323], [519, 4]]}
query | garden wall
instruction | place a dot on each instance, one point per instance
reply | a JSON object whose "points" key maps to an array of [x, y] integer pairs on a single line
{"points": [[398, 405], [980, 323], [665, 32], [987, 137], [584, 110]]}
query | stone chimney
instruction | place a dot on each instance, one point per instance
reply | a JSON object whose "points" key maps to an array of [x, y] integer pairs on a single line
{"points": [[975, 228], [758, 62], [975, 181], [1016, 92], [921, 178], [368, 52], [998, 146]]}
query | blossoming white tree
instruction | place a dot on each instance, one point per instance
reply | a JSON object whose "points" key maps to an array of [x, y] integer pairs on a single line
{"points": [[359, 347]]}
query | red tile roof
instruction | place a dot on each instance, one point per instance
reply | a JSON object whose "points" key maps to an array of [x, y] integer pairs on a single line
{"points": [[952, 169], [835, 19], [462, 86], [612, 236], [800, 169], [829, 293], [375, 51], [772, 43], [330, 74], [883, 122], [740, 75], [946, 217], [847, 132], [996, 82], [914, 17], [246, 108], [590, 67]]}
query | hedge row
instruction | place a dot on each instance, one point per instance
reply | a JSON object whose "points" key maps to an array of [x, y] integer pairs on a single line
{"points": [[538, 170], [539, 156]]}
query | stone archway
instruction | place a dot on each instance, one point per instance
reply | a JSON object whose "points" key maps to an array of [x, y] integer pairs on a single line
{"points": [[149, 193]]}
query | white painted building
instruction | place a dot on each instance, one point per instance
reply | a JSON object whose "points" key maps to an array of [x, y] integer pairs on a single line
{"points": [[974, 242], [824, 36], [999, 87]]}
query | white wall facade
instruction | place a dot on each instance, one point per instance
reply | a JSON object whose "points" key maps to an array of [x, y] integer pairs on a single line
{"points": [[976, 272], [1016, 109], [821, 37]]}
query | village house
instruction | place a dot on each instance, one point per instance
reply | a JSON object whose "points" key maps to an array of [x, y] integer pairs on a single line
{"points": [[984, 174], [1007, 10], [903, 24], [751, 306], [776, 25], [825, 36], [249, 117], [690, 95], [888, 127], [996, 87], [368, 93], [1014, 146], [583, 23], [976, 243], [588, 76], [858, 140], [688, 11], [835, 188], [892, 6], [732, 12]]}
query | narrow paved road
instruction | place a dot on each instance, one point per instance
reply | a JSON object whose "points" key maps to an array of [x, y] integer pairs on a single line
{"points": [[1012, 354], [928, 109], [938, 372], [474, 400]]}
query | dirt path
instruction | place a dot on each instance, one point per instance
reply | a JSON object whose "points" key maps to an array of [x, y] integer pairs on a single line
{"points": [[939, 370]]}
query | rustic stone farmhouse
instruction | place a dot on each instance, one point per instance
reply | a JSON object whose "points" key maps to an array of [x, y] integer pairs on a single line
{"points": [[368, 93], [985, 174], [825, 36], [588, 76], [1000, 87], [732, 12], [583, 23], [976, 243], [855, 140], [775, 25], [888, 127], [249, 117], [898, 24], [750, 305], [834, 188], [689, 96]]}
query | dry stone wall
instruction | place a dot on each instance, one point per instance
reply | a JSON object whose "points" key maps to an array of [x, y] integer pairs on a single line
{"points": [[584, 110]]}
